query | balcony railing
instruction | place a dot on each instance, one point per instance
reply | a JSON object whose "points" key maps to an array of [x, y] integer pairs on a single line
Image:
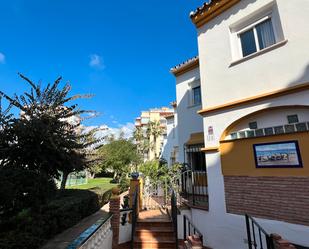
{"points": [[193, 189]]}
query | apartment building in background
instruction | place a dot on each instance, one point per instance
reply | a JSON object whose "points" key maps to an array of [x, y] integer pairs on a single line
{"points": [[152, 138]]}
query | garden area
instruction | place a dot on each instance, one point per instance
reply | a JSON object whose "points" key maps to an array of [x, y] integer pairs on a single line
{"points": [[42, 142], [103, 183]]}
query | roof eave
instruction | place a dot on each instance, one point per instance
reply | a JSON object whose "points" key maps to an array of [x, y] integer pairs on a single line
{"points": [[209, 11], [186, 67]]}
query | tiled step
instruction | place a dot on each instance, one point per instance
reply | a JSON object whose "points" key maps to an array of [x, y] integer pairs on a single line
{"points": [[153, 243], [155, 232], [146, 223]]}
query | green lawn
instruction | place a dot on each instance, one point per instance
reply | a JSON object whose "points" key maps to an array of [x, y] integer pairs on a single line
{"points": [[103, 183]]}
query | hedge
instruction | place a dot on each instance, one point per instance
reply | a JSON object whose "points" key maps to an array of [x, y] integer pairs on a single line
{"points": [[31, 229]]}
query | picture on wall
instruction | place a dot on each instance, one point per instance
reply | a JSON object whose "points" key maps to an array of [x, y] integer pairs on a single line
{"points": [[277, 155]]}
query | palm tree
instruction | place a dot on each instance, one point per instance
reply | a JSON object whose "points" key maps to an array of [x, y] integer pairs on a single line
{"points": [[155, 130], [142, 140]]}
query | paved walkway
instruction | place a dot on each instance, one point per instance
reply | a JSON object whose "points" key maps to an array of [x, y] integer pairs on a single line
{"points": [[62, 240]]}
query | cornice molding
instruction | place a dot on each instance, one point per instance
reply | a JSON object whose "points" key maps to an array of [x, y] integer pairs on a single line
{"points": [[256, 98], [210, 149]]}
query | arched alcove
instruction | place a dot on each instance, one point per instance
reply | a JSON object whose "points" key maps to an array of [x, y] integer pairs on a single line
{"points": [[267, 118]]}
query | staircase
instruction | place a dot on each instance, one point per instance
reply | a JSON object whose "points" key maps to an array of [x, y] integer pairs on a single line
{"points": [[154, 230]]}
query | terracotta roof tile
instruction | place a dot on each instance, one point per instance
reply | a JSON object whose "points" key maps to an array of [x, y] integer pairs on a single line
{"points": [[210, 10], [203, 8], [185, 64]]}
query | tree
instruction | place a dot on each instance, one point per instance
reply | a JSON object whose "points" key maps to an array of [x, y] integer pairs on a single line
{"points": [[142, 141], [6, 118], [93, 153], [47, 136], [120, 156], [154, 130]]}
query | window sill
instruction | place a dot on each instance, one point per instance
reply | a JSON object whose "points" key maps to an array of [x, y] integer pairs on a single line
{"points": [[263, 51]]}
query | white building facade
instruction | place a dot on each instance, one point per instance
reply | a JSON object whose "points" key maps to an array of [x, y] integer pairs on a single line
{"points": [[188, 99], [170, 148], [254, 77]]}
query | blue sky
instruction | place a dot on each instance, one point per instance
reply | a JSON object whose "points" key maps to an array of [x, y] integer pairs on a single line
{"points": [[121, 51]]}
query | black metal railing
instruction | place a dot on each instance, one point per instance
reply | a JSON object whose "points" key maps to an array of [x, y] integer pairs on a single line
{"points": [[124, 215], [194, 187], [134, 215], [190, 229], [257, 236], [174, 212]]}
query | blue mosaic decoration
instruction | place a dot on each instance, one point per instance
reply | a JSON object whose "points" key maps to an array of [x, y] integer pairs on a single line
{"points": [[83, 237]]}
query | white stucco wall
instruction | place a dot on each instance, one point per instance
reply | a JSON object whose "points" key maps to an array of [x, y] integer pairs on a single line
{"points": [[171, 141], [125, 233], [222, 229], [284, 66], [221, 83], [188, 120]]}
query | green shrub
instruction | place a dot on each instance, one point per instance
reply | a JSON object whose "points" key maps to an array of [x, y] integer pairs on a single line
{"points": [[124, 184], [29, 228], [22, 189]]}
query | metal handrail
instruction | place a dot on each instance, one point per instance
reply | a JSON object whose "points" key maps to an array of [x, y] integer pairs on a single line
{"points": [[125, 209], [252, 240], [174, 212], [134, 215], [191, 228]]}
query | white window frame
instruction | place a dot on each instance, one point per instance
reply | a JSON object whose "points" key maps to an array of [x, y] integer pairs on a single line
{"points": [[255, 16], [193, 96], [256, 39], [193, 84]]}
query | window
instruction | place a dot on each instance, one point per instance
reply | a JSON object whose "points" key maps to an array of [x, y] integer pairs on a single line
{"points": [[197, 161], [253, 125], [257, 37], [279, 129], [268, 131], [250, 133], [259, 132], [292, 119], [145, 120], [195, 157], [234, 135], [289, 128], [196, 95], [301, 127]]}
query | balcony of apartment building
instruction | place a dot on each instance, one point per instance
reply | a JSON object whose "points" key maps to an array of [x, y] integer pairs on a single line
{"points": [[193, 182]]}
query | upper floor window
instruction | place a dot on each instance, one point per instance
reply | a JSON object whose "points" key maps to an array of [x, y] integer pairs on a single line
{"points": [[196, 97], [144, 120], [257, 37], [257, 32]]}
